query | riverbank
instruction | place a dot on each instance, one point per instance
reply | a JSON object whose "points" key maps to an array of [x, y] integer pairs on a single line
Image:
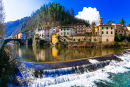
{"points": [[8, 64]]}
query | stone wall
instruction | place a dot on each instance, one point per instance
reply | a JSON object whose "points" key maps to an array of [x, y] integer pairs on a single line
{"points": [[80, 39]]}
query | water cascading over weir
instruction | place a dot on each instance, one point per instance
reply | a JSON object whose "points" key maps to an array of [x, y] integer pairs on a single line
{"points": [[50, 74]]}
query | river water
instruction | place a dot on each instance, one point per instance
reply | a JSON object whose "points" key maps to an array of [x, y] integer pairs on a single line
{"points": [[98, 73]]}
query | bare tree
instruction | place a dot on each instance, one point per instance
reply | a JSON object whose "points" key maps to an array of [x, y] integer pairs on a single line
{"points": [[2, 32]]}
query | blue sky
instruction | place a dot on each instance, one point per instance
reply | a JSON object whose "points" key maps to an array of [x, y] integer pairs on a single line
{"points": [[108, 9]]}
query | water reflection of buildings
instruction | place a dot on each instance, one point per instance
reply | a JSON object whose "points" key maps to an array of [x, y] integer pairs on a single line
{"points": [[55, 54], [37, 54], [77, 53], [42, 54]]}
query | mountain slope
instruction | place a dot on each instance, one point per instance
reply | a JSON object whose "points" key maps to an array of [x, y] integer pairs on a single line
{"points": [[13, 27]]}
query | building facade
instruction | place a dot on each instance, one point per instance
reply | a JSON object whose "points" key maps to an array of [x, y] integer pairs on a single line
{"points": [[119, 29], [44, 34], [80, 29], [107, 33], [55, 38], [67, 31], [19, 35]]}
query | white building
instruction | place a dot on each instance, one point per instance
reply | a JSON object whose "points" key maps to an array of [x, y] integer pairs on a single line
{"points": [[66, 31], [44, 34], [19, 35]]}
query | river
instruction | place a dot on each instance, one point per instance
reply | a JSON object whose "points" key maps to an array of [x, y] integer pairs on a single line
{"points": [[104, 73]]}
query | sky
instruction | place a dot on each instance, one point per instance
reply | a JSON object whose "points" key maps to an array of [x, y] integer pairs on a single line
{"points": [[85, 9]]}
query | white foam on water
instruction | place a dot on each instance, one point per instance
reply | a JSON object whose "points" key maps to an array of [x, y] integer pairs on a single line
{"points": [[86, 79], [93, 61]]}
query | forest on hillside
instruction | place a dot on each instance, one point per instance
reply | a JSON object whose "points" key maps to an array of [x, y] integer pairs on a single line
{"points": [[13, 27], [51, 15]]}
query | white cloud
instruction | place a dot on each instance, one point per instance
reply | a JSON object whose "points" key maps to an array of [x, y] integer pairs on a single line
{"points": [[90, 14]]}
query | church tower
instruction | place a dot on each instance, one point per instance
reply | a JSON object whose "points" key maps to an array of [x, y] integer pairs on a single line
{"points": [[100, 21]]}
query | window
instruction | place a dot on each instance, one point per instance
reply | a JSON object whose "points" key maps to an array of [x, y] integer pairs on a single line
{"points": [[116, 30], [106, 27], [67, 33], [61, 29], [111, 28], [61, 33], [64, 33], [107, 40], [102, 27], [79, 40], [111, 32], [102, 32], [106, 32], [119, 30], [74, 39]]}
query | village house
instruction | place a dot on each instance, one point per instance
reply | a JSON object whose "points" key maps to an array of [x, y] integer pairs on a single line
{"points": [[80, 29], [119, 29], [25, 35], [67, 31], [55, 38], [107, 33], [19, 35], [44, 33]]}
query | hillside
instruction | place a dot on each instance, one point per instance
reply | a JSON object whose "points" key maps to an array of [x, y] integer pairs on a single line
{"points": [[52, 14], [13, 27]]}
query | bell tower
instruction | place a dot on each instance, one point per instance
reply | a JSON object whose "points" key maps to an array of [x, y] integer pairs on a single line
{"points": [[100, 21]]}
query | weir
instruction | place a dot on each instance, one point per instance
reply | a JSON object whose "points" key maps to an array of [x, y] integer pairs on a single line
{"points": [[51, 74]]}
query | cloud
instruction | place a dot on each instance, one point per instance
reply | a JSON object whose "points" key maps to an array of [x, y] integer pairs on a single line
{"points": [[90, 14]]}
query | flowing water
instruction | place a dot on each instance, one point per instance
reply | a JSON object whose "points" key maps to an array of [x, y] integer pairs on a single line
{"points": [[36, 67]]}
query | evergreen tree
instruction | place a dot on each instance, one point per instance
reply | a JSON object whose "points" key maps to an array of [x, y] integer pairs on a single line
{"points": [[52, 14], [122, 22], [110, 22]]}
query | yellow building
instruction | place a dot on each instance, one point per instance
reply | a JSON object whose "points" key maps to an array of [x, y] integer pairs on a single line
{"points": [[55, 38]]}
